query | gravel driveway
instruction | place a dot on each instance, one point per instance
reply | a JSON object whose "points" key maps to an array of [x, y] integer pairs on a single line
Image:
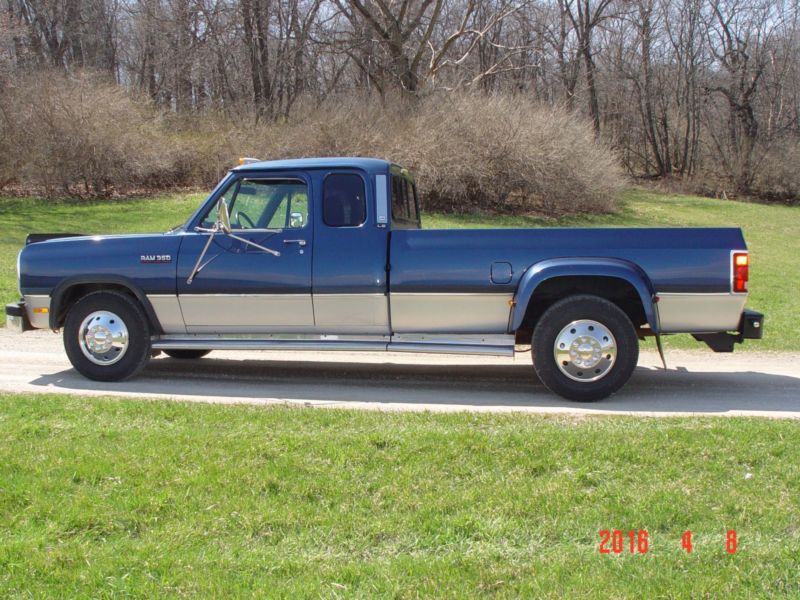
{"points": [[697, 382]]}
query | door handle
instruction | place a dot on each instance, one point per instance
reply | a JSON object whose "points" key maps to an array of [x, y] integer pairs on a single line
{"points": [[300, 243]]}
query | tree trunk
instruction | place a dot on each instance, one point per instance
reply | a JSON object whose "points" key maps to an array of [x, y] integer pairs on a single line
{"points": [[594, 104]]}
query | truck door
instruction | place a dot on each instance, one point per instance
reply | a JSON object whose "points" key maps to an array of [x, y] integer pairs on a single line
{"points": [[350, 248], [239, 288]]}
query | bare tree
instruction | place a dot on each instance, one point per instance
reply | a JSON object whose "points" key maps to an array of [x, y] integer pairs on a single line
{"points": [[403, 28], [586, 16], [702, 89], [739, 35]]}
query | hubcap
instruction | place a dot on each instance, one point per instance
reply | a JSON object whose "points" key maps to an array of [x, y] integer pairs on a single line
{"points": [[103, 338], [585, 350]]}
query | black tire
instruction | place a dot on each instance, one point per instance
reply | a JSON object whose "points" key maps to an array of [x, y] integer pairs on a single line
{"points": [[186, 354], [555, 321], [137, 351]]}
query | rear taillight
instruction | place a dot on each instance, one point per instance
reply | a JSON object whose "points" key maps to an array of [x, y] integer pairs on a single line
{"points": [[741, 271]]}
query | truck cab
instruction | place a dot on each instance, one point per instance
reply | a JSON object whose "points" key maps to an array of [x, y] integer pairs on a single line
{"points": [[328, 220]]}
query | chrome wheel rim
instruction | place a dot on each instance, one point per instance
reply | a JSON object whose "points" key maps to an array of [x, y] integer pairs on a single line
{"points": [[103, 338], [585, 350]]}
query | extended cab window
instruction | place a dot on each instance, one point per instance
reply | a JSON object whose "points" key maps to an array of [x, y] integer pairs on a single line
{"points": [[264, 204], [344, 202], [404, 203]]}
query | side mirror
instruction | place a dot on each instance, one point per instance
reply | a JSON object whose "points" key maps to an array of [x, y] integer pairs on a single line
{"points": [[223, 218], [296, 220]]}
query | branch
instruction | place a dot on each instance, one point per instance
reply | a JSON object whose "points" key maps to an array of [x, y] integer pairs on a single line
{"points": [[437, 63]]}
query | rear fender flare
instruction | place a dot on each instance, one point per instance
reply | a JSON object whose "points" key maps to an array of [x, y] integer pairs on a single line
{"points": [[587, 267]]}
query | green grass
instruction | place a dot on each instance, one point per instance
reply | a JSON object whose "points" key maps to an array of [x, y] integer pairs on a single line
{"points": [[771, 232], [104, 498]]}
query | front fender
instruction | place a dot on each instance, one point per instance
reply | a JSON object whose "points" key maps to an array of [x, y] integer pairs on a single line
{"points": [[583, 267]]}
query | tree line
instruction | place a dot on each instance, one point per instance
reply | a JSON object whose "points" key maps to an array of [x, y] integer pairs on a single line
{"points": [[704, 90]]}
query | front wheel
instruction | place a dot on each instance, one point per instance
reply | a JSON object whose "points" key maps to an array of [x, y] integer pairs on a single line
{"points": [[584, 348], [107, 336]]}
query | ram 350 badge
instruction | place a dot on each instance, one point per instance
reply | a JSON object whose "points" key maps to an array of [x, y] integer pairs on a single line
{"points": [[155, 258]]}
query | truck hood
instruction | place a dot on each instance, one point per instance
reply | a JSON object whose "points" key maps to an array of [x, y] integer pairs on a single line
{"points": [[149, 259]]}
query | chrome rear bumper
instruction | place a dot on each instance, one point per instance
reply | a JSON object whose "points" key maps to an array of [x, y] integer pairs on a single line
{"points": [[17, 317]]}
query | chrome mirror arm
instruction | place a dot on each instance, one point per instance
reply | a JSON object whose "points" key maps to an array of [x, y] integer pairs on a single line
{"points": [[219, 227], [200, 258], [253, 244]]}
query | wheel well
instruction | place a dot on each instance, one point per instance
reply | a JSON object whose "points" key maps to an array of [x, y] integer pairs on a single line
{"points": [[550, 291], [75, 292]]}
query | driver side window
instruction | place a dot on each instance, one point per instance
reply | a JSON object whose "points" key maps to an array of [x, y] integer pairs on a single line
{"points": [[264, 204]]}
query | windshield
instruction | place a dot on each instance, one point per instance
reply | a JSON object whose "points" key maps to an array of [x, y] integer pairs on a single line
{"points": [[221, 185]]}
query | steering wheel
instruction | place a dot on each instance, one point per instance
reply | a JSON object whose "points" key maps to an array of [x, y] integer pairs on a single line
{"points": [[240, 215]]}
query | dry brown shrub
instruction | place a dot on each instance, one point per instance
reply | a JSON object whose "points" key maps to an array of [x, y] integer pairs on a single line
{"points": [[81, 134], [470, 153], [507, 154]]}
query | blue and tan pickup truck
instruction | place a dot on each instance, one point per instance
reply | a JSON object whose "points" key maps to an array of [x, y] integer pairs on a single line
{"points": [[328, 254]]}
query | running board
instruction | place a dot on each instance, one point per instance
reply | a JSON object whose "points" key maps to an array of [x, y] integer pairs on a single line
{"points": [[265, 344], [437, 348], [175, 343]]}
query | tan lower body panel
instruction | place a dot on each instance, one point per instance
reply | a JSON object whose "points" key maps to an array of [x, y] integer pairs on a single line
{"points": [[333, 313], [168, 312], [450, 313], [699, 313], [343, 313], [272, 313], [256, 313]]}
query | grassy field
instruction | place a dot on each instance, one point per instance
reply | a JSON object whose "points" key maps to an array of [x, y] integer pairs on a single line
{"points": [[103, 498], [772, 234]]}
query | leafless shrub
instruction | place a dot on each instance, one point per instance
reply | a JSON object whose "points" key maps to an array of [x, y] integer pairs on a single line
{"points": [[470, 152], [81, 134], [506, 154]]}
